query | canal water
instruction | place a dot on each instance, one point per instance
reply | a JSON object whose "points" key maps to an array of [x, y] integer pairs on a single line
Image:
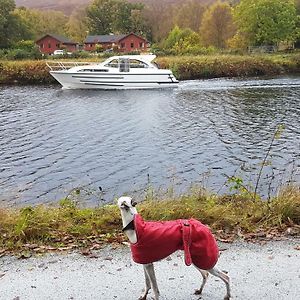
{"points": [[53, 140]]}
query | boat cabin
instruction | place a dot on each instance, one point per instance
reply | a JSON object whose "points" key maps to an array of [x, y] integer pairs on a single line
{"points": [[125, 64]]}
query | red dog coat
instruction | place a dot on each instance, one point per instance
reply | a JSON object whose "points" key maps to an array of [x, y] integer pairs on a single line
{"points": [[157, 240]]}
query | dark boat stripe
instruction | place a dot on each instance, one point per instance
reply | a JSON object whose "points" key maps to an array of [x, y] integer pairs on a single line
{"points": [[102, 77], [100, 83], [108, 74], [113, 82]]}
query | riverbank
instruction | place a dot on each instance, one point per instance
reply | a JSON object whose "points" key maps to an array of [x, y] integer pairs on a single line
{"points": [[68, 226], [184, 67], [256, 271]]}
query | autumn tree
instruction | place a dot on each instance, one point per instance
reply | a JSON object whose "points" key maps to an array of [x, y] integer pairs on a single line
{"points": [[297, 3], [40, 22], [159, 18], [188, 14], [30, 20], [266, 22], [52, 21], [76, 27], [217, 25]]}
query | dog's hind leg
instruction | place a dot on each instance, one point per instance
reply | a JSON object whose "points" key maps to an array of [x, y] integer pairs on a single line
{"points": [[205, 277], [149, 269], [214, 271], [148, 285]]}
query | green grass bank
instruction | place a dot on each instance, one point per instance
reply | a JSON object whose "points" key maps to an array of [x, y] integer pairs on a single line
{"points": [[67, 226], [184, 67]]}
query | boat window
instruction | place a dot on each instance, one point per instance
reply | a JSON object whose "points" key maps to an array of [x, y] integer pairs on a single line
{"points": [[113, 64], [93, 70], [135, 63]]}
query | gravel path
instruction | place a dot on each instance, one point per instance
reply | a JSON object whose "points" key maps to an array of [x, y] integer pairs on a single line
{"points": [[270, 271]]}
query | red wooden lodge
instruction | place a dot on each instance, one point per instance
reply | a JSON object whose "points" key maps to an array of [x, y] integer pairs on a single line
{"points": [[122, 42], [51, 42]]}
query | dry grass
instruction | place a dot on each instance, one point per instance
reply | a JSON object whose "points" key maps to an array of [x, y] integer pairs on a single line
{"points": [[184, 67], [68, 224], [210, 66]]}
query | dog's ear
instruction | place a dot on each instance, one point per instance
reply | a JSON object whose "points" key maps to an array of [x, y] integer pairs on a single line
{"points": [[133, 203]]}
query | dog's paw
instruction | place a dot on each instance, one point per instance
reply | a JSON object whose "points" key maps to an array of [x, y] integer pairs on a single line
{"points": [[198, 292]]}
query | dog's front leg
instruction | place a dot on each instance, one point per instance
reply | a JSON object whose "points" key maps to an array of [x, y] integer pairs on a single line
{"points": [[148, 285], [149, 269], [204, 276]]}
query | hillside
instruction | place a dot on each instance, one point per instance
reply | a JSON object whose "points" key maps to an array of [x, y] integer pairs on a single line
{"points": [[67, 6]]}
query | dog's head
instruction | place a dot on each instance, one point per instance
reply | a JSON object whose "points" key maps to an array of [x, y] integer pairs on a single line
{"points": [[127, 204]]}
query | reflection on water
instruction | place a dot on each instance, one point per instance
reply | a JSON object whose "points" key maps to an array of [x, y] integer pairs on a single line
{"points": [[53, 140]]}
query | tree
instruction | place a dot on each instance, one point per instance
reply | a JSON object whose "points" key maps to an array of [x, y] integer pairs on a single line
{"points": [[159, 17], [129, 18], [8, 23], [181, 41], [114, 16], [189, 14], [297, 2], [51, 21], [100, 16], [29, 20], [76, 27], [217, 25], [39, 22], [266, 22]]}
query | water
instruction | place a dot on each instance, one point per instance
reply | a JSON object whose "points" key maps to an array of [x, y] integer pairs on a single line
{"points": [[52, 141]]}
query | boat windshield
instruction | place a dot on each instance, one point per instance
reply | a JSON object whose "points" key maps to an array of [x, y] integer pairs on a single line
{"points": [[135, 63], [113, 63]]}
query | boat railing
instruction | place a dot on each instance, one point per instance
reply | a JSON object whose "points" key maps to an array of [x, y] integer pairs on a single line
{"points": [[65, 65]]}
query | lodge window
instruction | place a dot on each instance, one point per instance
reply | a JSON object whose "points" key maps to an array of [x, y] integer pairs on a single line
{"points": [[132, 45], [49, 45], [42, 46], [122, 45], [57, 45], [141, 45]]}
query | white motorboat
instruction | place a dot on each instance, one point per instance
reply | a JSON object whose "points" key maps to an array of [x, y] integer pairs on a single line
{"points": [[117, 72]]}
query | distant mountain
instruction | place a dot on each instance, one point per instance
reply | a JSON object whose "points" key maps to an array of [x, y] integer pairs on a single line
{"points": [[67, 6]]}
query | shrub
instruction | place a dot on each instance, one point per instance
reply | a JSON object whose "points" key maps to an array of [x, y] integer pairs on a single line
{"points": [[25, 72], [20, 54]]}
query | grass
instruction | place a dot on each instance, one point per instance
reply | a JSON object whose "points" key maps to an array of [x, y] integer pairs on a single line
{"points": [[69, 226], [184, 67]]}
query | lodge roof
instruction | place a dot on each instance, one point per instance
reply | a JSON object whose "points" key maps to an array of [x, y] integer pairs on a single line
{"points": [[104, 38], [60, 38], [109, 38]]}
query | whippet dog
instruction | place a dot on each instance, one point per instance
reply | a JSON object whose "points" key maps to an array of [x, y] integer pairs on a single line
{"points": [[189, 236]]}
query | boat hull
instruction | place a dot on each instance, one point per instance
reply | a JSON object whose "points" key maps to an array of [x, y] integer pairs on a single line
{"points": [[105, 81]]}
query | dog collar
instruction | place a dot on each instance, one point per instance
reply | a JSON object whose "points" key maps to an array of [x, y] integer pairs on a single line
{"points": [[130, 225]]}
